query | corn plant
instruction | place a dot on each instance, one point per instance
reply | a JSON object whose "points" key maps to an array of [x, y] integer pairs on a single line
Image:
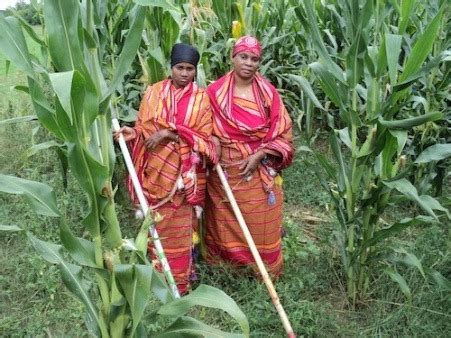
{"points": [[368, 79], [71, 88]]}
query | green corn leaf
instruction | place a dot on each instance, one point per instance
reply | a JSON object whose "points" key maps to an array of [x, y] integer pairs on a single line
{"points": [[89, 40], [310, 23], [143, 234], [435, 152], [38, 195], [170, 31], [344, 137], [157, 65], [65, 38], [64, 123], [135, 280], [18, 119], [368, 146], [423, 46], [62, 20], [13, 44], [62, 156], [406, 10], [401, 137], [365, 15], [383, 165], [357, 177], [442, 282], [411, 121], [396, 277], [81, 250], [423, 71], [200, 38], [335, 91], [165, 4], [42, 146], [44, 112], [10, 228], [71, 274], [393, 48], [355, 60], [373, 103], [306, 88], [381, 60], [30, 31], [342, 177], [92, 177], [395, 229], [327, 166], [62, 84], [223, 10], [426, 202], [186, 327], [129, 49], [412, 260], [7, 65], [200, 75], [209, 297], [160, 288]]}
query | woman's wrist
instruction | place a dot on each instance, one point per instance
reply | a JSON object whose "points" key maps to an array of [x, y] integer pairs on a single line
{"points": [[172, 135], [261, 154]]}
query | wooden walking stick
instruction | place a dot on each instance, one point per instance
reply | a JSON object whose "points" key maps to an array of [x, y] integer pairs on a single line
{"points": [[145, 209], [250, 241]]}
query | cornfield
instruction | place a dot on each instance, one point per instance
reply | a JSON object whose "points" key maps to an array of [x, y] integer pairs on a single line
{"points": [[371, 78]]}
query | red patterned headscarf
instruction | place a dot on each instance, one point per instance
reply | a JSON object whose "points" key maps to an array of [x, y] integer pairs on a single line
{"points": [[247, 44]]}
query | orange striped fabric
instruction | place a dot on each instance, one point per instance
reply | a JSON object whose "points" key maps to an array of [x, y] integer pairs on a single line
{"points": [[185, 111], [173, 174], [176, 233], [225, 240], [243, 130]]}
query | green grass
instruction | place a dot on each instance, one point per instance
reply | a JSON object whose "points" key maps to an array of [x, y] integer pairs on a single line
{"points": [[34, 302]]}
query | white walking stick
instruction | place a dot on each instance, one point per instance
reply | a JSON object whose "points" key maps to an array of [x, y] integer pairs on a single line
{"points": [[145, 208], [250, 241]]}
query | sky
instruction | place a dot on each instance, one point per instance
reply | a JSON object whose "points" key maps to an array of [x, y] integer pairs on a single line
{"points": [[6, 3]]}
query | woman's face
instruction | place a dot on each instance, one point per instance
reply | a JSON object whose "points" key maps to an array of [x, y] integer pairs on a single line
{"points": [[183, 74], [245, 64]]}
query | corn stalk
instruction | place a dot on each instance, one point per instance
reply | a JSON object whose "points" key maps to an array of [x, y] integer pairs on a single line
{"points": [[368, 91], [70, 96]]}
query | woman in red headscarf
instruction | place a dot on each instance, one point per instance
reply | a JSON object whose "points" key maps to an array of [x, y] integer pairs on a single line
{"points": [[253, 132], [169, 142]]}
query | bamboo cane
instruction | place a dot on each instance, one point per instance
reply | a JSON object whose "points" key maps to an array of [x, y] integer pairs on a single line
{"points": [[261, 267], [145, 208]]}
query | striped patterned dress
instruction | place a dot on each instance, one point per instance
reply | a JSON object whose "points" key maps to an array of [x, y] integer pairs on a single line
{"points": [[244, 127], [173, 174]]}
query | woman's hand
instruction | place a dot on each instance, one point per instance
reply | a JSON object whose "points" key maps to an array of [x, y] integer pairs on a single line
{"points": [[159, 137], [128, 133], [251, 163]]}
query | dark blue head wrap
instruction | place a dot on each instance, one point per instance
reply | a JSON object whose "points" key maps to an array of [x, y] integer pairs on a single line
{"points": [[182, 52]]}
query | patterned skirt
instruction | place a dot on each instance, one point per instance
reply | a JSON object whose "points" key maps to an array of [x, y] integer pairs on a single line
{"points": [[225, 240], [176, 235]]}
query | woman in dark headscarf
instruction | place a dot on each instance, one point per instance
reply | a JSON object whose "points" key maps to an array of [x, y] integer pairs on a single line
{"points": [[169, 143]]}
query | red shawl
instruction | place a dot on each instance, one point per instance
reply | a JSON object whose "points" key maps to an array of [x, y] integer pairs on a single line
{"points": [[272, 130]]}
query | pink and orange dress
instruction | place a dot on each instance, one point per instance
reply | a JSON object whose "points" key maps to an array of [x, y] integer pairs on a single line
{"points": [[244, 127]]}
